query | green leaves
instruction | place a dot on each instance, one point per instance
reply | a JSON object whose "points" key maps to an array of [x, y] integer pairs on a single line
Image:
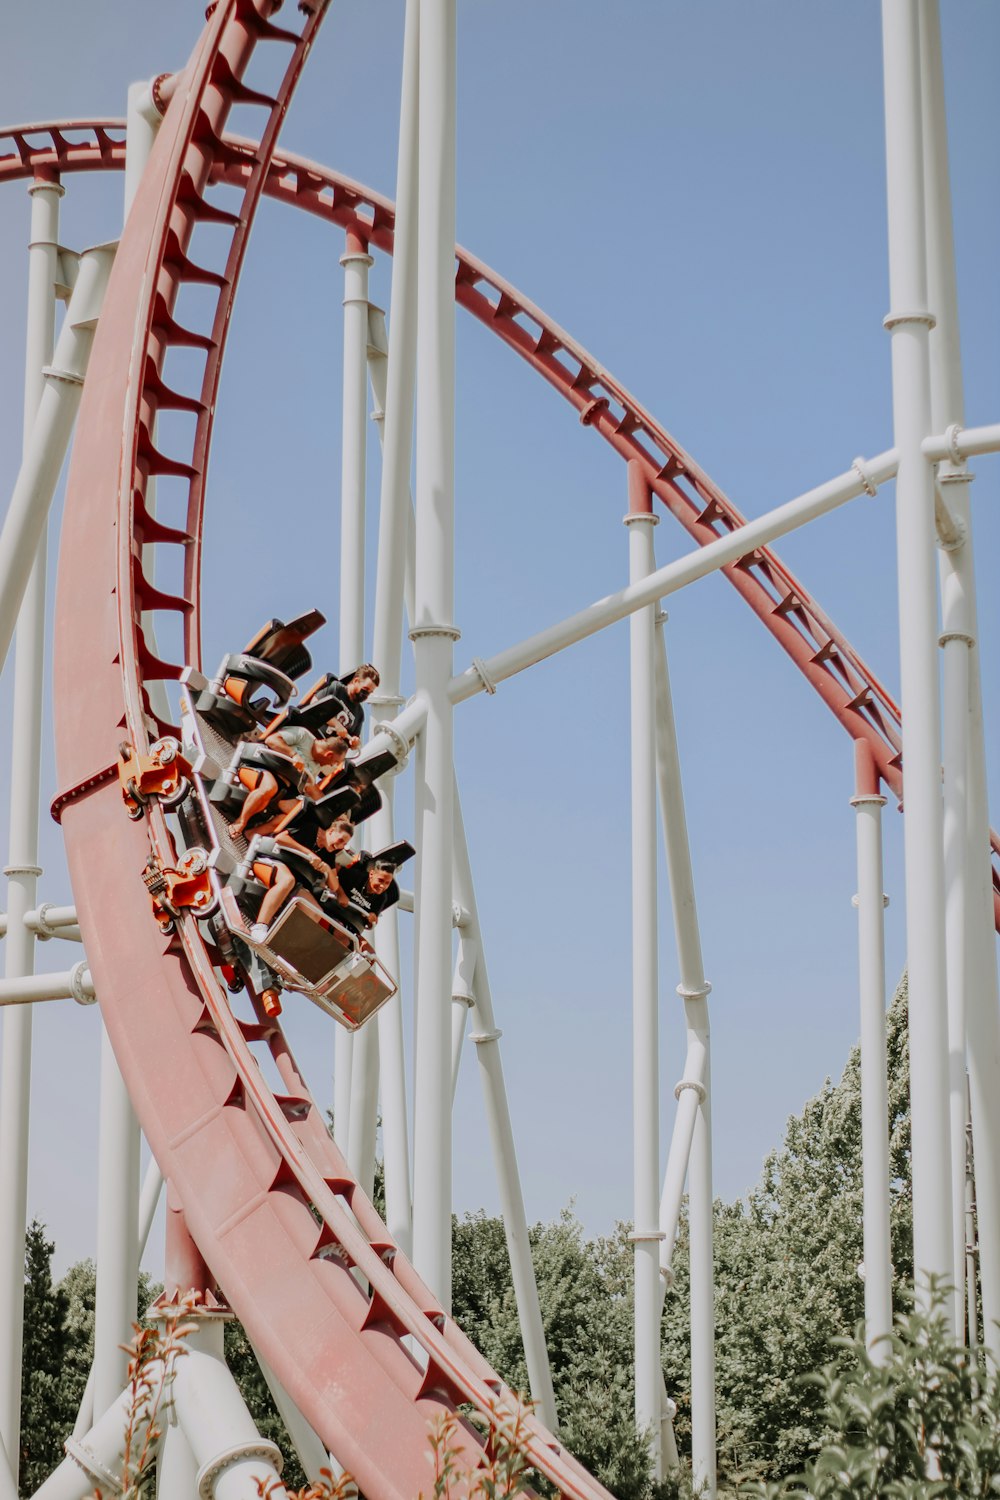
{"points": [[915, 1419]]}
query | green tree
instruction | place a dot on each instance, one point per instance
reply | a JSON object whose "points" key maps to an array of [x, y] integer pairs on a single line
{"points": [[43, 1405], [585, 1294]]}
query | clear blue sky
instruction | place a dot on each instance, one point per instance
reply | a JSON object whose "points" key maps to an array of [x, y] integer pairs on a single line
{"points": [[696, 192]]}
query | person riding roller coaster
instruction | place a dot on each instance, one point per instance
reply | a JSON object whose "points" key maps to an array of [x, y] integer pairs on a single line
{"points": [[333, 700], [280, 879], [320, 758], [370, 887]]}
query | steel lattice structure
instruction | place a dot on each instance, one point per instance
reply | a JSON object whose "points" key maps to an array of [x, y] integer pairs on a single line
{"points": [[350, 1318]]}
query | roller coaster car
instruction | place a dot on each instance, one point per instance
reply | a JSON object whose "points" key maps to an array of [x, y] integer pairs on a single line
{"points": [[253, 685], [307, 949]]}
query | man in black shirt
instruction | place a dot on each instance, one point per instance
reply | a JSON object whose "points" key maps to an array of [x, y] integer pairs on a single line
{"points": [[350, 695], [370, 887]]}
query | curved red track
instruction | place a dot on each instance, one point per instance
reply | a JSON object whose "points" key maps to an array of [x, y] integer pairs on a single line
{"points": [[253, 1169], [799, 625]]}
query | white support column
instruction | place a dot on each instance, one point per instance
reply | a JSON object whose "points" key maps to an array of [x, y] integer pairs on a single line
{"points": [[909, 322], [691, 1143], [117, 1218], [868, 804], [971, 934], [645, 1020], [434, 634], [22, 868], [486, 1037], [392, 370], [355, 262], [233, 1461], [45, 450], [463, 998], [94, 1462]]}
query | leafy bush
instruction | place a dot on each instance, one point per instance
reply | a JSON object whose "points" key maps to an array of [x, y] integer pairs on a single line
{"points": [[919, 1420]]}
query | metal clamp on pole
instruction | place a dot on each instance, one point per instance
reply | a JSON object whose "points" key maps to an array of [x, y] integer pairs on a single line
{"points": [[107, 1479], [210, 1472], [480, 667]]}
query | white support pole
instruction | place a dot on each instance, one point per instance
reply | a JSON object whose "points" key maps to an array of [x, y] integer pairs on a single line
{"points": [[486, 1037], [149, 1198], [95, 1462], [354, 438], [233, 1461], [971, 935], [24, 522], [909, 322], [645, 1000], [691, 1143], [73, 984], [117, 1218], [463, 998], [392, 371], [967, 442], [868, 804], [862, 478], [22, 868], [701, 1210], [176, 1468], [433, 633]]}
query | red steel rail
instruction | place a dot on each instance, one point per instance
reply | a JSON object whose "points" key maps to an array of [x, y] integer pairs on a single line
{"points": [[362, 1346], [803, 630]]}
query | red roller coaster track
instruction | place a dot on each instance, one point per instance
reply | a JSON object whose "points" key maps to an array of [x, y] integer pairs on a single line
{"points": [[266, 1193], [799, 625]]}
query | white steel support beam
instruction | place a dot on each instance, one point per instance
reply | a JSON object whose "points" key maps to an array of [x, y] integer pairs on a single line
{"points": [[149, 1197], [233, 1461], [463, 998], [868, 804], [691, 1143], [117, 1218], [354, 438], [73, 984], [433, 633], [962, 442], [864, 476], [974, 1004], [645, 1000], [395, 528], [486, 1037], [94, 1462], [24, 522], [909, 322], [22, 869]]}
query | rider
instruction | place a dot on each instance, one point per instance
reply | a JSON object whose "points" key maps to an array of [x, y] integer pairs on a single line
{"points": [[352, 694], [370, 887], [321, 758], [281, 881]]}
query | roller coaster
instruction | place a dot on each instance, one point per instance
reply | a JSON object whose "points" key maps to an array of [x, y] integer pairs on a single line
{"points": [[270, 1215]]}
